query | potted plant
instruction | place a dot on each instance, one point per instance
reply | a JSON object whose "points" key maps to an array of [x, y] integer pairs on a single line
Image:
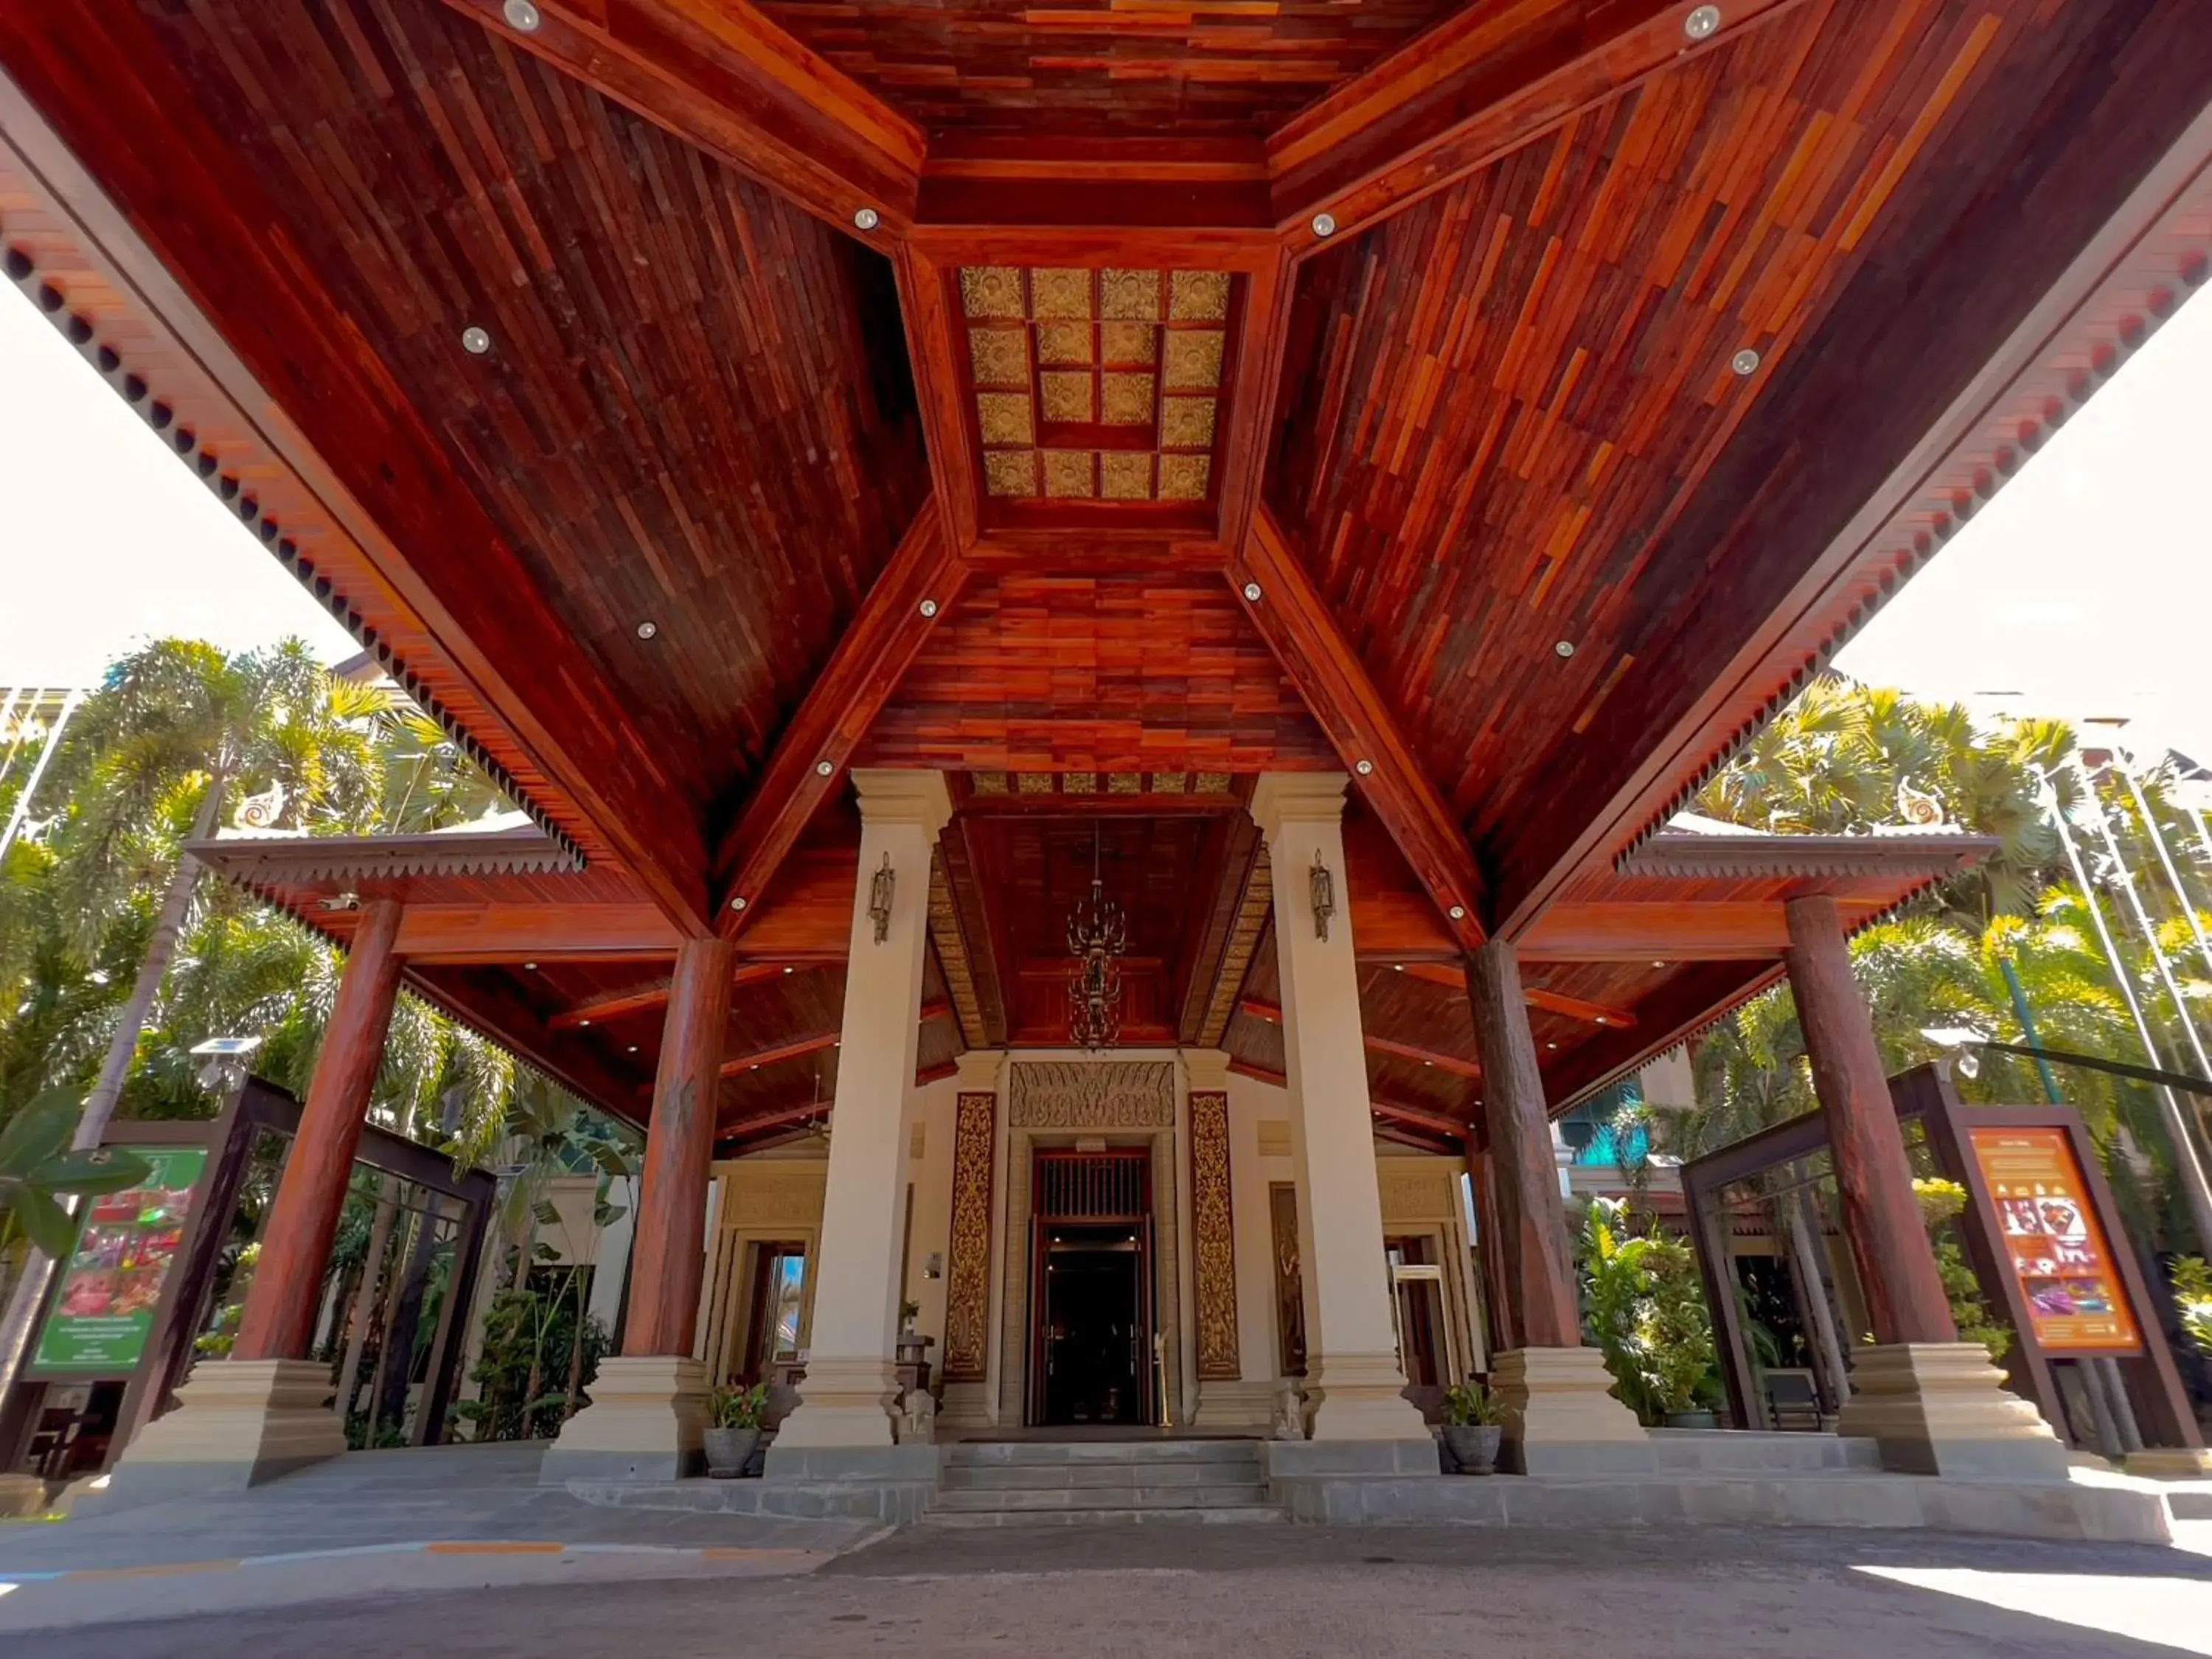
{"points": [[1472, 1428], [734, 1429]]}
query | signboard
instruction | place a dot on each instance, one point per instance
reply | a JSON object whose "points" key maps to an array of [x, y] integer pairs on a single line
{"points": [[2056, 1249], [126, 1244]]}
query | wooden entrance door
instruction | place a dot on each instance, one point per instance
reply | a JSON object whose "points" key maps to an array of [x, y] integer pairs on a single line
{"points": [[1090, 1289]]}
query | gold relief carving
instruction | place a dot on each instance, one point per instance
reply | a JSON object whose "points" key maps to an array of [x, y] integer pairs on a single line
{"points": [[1063, 343], [968, 1281], [761, 1197], [1198, 296], [1210, 783], [1128, 399], [1124, 783], [1186, 423], [1129, 295], [1010, 472], [1078, 783], [1124, 476], [1086, 1094], [1418, 1189], [1193, 360], [988, 783], [1135, 345], [1214, 1251], [1183, 477], [1067, 474], [1067, 397], [1000, 356], [1060, 294], [1169, 783], [993, 291], [1004, 418], [1033, 783]]}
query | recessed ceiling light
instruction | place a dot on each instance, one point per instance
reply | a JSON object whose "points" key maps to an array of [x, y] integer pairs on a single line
{"points": [[737, 903], [531, 966], [1252, 592], [1365, 768], [755, 1066], [1658, 965], [867, 219], [1458, 912], [1565, 647], [475, 341], [1702, 22], [787, 970], [1397, 966], [633, 1047], [1551, 1045], [583, 1021], [928, 608], [822, 769], [1745, 361], [1428, 1062], [1324, 224], [646, 630], [521, 15]]}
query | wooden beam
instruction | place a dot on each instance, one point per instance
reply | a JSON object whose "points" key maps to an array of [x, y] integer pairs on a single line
{"points": [[1272, 584], [1379, 1044], [722, 77], [1451, 1129], [796, 1046], [458, 934], [1734, 930], [920, 583], [1553, 1002], [1688, 1000], [752, 1126], [1179, 182], [108, 123], [1455, 98], [598, 1011]]}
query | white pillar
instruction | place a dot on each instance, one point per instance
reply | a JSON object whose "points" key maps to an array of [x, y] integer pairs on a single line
{"points": [[1353, 1382], [851, 1387]]}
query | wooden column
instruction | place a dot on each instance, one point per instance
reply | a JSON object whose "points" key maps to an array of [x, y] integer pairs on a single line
{"points": [[667, 1255], [279, 1321], [1531, 1230], [1490, 1249], [1896, 1263]]}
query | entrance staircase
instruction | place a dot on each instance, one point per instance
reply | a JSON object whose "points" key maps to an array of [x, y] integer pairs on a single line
{"points": [[1000, 1483]]}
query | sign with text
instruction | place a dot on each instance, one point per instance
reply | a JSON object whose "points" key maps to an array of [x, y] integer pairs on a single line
{"points": [[126, 1244], [2054, 1244]]}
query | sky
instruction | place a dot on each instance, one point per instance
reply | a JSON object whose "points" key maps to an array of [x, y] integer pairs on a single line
{"points": [[2085, 587]]}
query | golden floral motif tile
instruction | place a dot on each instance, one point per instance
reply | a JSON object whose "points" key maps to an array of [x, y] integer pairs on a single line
{"points": [[1168, 783], [1125, 475], [1000, 356], [988, 783], [1033, 783], [1193, 359], [1186, 423], [1078, 783], [1124, 783], [1055, 292], [1067, 474], [1010, 472], [1127, 399], [1198, 296], [1183, 477], [1131, 344], [1129, 295], [1210, 783], [1004, 418], [992, 291], [1067, 397], [1063, 343]]}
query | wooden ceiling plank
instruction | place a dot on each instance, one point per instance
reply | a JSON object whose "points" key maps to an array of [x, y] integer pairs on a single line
{"points": [[1456, 99], [507, 933], [793, 1049], [1449, 1127], [1556, 1002], [616, 1004], [862, 673], [725, 79], [1260, 1009], [1299, 626], [1690, 1001]]}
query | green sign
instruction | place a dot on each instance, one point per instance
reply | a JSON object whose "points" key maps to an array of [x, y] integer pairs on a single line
{"points": [[126, 1245]]}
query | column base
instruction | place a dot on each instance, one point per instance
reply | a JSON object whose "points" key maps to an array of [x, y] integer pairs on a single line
{"points": [[237, 1423], [967, 1406], [2170, 1463], [1233, 1406], [645, 1422], [22, 1496], [1943, 1409], [842, 1402], [1560, 1417], [1359, 1396]]}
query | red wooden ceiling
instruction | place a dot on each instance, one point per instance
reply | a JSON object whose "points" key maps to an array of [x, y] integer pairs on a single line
{"points": [[1100, 68]]}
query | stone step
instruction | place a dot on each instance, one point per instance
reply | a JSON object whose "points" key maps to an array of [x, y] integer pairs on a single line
{"points": [[971, 1453], [1005, 1477], [1737, 1451], [1228, 1515], [1230, 1494], [2190, 1503]]}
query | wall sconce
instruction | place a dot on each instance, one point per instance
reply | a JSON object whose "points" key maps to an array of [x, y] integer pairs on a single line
{"points": [[879, 898], [1323, 887]]}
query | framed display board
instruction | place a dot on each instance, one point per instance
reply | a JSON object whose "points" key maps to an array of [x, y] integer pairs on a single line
{"points": [[2054, 1244], [127, 1245]]}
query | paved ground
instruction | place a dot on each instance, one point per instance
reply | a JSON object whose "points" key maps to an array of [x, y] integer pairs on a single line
{"points": [[1220, 1593]]}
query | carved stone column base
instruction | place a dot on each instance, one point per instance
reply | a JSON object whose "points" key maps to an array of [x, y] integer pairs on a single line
{"points": [[1233, 1406], [842, 1402], [237, 1423], [2170, 1463], [1359, 1396], [967, 1406], [645, 1422], [1942, 1408], [1560, 1417]]}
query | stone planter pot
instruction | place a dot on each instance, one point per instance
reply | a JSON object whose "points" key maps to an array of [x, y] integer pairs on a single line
{"points": [[728, 1451], [1473, 1446], [1691, 1420]]}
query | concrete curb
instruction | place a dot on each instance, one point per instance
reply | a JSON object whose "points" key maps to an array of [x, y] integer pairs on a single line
{"points": [[420, 1546]]}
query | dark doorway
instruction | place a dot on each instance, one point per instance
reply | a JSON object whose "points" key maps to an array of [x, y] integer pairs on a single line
{"points": [[1094, 1334]]}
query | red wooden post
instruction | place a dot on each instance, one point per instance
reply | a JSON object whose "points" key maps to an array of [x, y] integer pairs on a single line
{"points": [[1532, 1223], [1496, 1297], [279, 1321], [666, 1261], [1896, 1263]]}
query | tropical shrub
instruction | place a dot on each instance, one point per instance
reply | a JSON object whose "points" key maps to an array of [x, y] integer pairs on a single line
{"points": [[1940, 1202], [1645, 1311]]}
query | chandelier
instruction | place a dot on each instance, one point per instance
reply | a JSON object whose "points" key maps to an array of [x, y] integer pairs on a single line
{"points": [[1097, 937]]}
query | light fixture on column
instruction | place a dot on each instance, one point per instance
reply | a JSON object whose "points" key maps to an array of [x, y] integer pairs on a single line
{"points": [[1097, 937], [879, 898], [1322, 886]]}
